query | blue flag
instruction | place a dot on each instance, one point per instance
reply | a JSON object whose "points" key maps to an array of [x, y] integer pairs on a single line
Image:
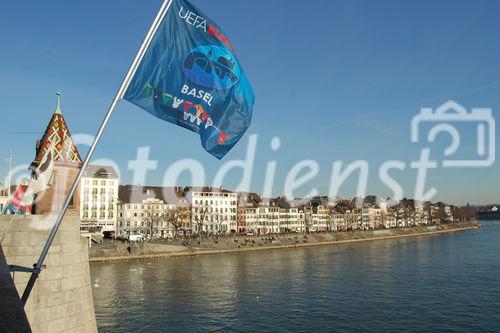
{"points": [[190, 76]]}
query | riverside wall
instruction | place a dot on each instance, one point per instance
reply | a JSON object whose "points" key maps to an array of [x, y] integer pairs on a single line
{"points": [[61, 300], [119, 250]]}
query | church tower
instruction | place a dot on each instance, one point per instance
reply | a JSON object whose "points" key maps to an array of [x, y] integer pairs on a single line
{"points": [[67, 162]]}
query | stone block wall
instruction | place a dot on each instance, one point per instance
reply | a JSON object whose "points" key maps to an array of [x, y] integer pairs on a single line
{"points": [[12, 316], [61, 300]]}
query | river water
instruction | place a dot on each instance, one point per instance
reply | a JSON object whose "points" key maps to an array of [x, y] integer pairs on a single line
{"points": [[445, 282]]}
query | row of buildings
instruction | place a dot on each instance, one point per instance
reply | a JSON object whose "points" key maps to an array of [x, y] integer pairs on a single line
{"points": [[106, 206], [215, 211]]}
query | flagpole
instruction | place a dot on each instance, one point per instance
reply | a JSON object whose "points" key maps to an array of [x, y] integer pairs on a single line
{"points": [[6, 230], [22, 198], [121, 91], [18, 207]]}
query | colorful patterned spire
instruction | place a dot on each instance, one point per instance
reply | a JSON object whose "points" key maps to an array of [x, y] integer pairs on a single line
{"points": [[58, 136]]}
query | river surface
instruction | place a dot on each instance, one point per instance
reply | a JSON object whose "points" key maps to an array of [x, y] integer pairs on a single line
{"points": [[446, 282]]}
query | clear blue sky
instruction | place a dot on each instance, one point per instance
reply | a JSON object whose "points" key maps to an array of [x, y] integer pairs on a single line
{"points": [[335, 80]]}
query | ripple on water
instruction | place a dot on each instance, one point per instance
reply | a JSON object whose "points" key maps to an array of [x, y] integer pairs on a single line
{"points": [[448, 283]]}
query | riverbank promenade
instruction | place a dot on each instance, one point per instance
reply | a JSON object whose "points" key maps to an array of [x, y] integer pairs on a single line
{"points": [[118, 250]]}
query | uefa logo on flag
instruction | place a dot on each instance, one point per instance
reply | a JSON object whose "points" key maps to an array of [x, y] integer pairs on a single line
{"points": [[212, 67]]}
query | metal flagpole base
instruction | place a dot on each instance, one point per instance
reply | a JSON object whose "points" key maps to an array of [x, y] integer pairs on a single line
{"points": [[22, 269], [31, 283]]}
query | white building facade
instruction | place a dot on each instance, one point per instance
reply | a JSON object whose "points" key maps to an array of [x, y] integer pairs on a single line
{"points": [[214, 212], [135, 219], [317, 218], [98, 198], [293, 221], [337, 221], [271, 219], [250, 218]]}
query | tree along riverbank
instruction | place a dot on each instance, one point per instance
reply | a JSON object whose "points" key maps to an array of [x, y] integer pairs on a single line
{"points": [[118, 250]]}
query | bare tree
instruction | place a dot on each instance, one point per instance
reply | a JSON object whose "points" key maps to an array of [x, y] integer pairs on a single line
{"points": [[457, 214], [441, 214], [220, 223], [428, 208], [308, 212], [127, 226], [198, 219], [177, 218], [462, 214], [155, 221], [151, 222], [383, 219]]}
